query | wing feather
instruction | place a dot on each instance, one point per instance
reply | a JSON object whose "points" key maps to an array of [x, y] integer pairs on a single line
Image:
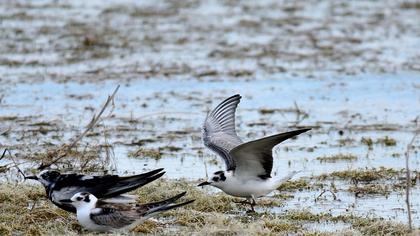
{"points": [[219, 133], [112, 217], [255, 158]]}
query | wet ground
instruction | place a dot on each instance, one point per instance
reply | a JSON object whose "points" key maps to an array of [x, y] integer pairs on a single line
{"points": [[348, 70]]}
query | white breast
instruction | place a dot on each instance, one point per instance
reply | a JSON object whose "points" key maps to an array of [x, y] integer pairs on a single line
{"points": [[247, 188], [83, 216]]}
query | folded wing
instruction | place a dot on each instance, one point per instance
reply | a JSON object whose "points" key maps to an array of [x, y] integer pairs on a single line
{"points": [[113, 217], [106, 186]]}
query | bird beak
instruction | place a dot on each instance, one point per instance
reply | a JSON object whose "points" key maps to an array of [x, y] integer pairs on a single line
{"points": [[66, 201], [31, 177], [203, 184]]}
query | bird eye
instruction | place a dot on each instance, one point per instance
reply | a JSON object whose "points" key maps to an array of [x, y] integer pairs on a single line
{"points": [[79, 198], [215, 179]]}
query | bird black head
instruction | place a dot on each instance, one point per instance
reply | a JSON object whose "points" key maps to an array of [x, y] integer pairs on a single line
{"points": [[46, 177], [83, 196], [217, 178], [81, 199]]}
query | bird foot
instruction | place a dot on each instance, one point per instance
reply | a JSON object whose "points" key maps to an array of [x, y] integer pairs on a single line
{"points": [[251, 211]]}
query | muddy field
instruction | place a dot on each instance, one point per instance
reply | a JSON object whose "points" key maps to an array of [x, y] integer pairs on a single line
{"points": [[349, 70]]}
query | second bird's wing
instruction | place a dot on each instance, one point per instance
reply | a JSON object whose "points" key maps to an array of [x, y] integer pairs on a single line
{"points": [[113, 217]]}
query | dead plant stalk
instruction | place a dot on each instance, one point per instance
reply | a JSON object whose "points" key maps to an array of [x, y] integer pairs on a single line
{"points": [[65, 149], [408, 176]]}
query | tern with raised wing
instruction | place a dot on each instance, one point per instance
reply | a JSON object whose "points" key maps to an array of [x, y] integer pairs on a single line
{"points": [[249, 164]]}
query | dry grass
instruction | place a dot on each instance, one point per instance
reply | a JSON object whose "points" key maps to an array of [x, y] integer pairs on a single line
{"points": [[25, 210], [337, 157], [363, 175]]}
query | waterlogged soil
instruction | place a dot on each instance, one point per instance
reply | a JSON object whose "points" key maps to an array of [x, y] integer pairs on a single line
{"points": [[348, 70]]}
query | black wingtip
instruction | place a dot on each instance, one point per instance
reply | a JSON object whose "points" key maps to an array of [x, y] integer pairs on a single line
{"points": [[154, 177], [299, 131], [173, 199], [152, 172], [178, 205], [233, 97], [292, 134], [149, 179]]}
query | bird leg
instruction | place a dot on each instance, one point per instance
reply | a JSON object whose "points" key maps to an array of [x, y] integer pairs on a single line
{"points": [[249, 201], [253, 203]]}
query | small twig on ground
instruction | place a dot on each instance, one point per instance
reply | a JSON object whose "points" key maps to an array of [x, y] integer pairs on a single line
{"points": [[300, 114], [324, 191], [65, 149], [408, 177], [4, 153], [16, 165]]}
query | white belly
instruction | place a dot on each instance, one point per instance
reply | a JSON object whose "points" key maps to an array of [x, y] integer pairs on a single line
{"points": [[83, 216], [247, 188]]}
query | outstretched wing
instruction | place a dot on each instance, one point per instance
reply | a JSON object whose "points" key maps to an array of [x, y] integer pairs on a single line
{"points": [[219, 130], [255, 158]]}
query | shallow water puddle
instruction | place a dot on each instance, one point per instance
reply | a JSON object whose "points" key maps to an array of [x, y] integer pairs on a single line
{"points": [[165, 116]]}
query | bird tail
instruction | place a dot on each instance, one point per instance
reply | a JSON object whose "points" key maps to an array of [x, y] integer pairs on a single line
{"points": [[165, 205]]}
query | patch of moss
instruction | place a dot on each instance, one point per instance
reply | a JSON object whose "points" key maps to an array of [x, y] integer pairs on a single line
{"points": [[370, 189], [337, 157], [143, 152], [363, 175], [147, 227], [387, 141], [368, 142], [292, 185], [346, 141], [281, 226], [264, 111]]}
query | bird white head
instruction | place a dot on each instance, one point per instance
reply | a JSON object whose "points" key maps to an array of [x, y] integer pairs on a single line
{"points": [[218, 179], [82, 200]]}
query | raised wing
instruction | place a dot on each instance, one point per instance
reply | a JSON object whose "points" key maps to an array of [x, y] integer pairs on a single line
{"points": [[255, 158], [219, 130]]}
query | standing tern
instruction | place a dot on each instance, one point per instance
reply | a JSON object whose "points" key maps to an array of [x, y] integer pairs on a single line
{"points": [[248, 165]]}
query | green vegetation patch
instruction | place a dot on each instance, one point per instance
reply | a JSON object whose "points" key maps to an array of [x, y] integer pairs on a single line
{"points": [[363, 175], [337, 157], [292, 185]]}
